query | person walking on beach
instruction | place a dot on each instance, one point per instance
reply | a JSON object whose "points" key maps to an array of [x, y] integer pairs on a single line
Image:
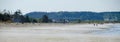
{"points": [[95, 24]]}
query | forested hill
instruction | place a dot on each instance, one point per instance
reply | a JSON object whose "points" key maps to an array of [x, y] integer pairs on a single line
{"points": [[77, 15]]}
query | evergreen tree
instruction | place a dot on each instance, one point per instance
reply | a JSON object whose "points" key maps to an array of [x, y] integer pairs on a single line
{"points": [[1, 17], [27, 19], [45, 19], [79, 20], [17, 16], [5, 16]]}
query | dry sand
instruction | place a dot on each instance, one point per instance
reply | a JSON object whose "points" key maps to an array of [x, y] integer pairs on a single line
{"points": [[55, 33]]}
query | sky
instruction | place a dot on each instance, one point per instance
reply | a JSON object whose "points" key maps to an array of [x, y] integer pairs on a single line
{"points": [[27, 6]]}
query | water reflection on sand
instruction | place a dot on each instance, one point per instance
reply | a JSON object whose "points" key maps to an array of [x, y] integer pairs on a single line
{"points": [[60, 33]]}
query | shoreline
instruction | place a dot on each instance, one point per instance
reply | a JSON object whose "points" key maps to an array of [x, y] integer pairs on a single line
{"points": [[55, 33]]}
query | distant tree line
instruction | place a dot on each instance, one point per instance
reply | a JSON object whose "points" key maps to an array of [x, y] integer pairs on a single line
{"points": [[18, 17]]}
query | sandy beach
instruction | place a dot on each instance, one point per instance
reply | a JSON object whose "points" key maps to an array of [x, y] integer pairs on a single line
{"points": [[52, 32]]}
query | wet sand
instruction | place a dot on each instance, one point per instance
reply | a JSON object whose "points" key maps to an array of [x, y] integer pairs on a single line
{"points": [[55, 33]]}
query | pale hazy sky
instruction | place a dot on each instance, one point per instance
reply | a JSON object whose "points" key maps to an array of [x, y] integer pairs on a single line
{"points": [[60, 5]]}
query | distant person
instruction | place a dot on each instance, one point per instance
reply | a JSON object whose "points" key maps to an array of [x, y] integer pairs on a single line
{"points": [[94, 24]]}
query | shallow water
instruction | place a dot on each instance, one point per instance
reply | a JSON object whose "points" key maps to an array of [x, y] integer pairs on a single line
{"points": [[114, 30]]}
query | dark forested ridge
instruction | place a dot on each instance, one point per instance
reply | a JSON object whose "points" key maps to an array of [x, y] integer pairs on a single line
{"points": [[101, 16]]}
